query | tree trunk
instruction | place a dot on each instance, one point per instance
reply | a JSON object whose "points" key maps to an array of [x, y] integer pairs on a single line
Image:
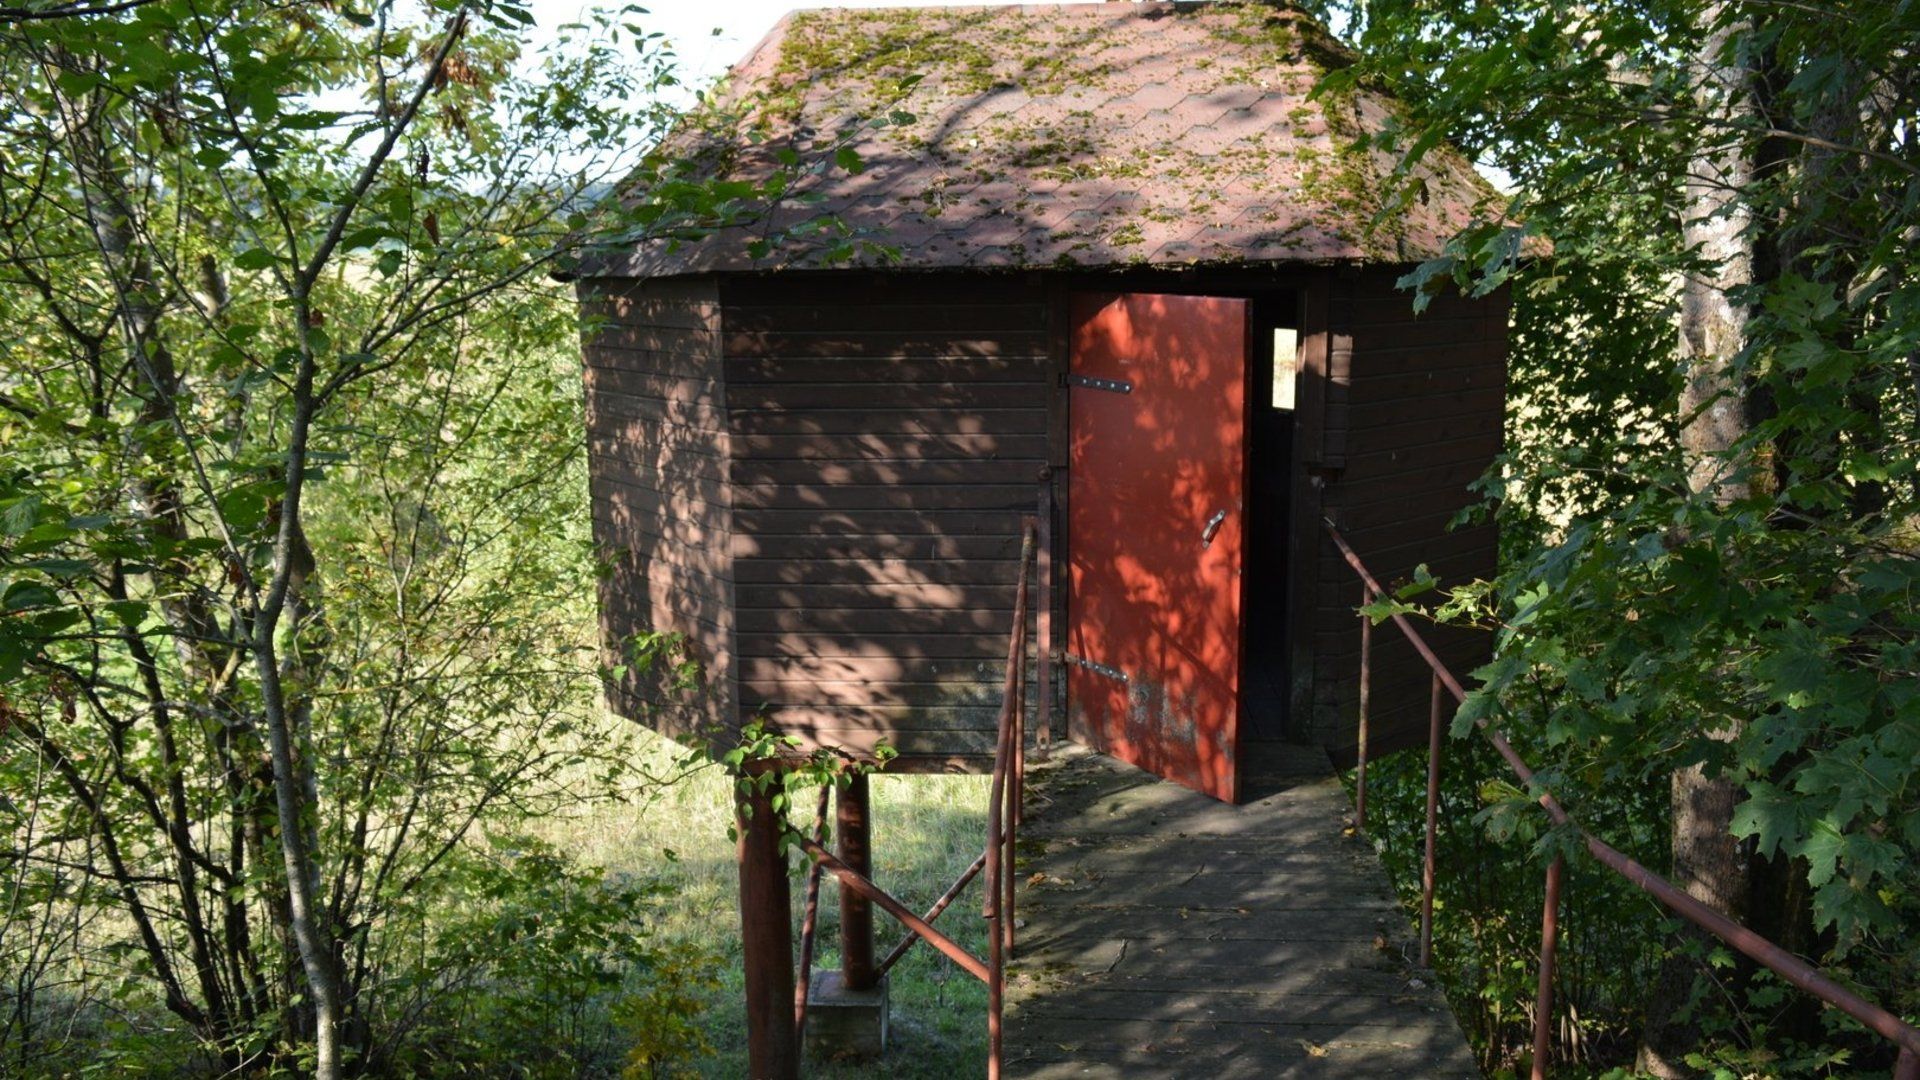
{"points": [[1718, 227], [285, 716], [1707, 860]]}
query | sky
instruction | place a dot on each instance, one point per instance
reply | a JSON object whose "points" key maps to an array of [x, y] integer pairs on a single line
{"points": [[690, 24]]}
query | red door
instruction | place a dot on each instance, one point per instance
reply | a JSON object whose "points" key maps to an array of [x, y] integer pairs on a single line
{"points": [[1155, 532]]}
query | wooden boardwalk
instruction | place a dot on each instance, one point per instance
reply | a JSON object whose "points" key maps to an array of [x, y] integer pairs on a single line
{"points": [[1166, 934]]}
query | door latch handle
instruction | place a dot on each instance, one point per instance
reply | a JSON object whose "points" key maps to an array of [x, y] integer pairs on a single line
{"points": [[1212, 526]]}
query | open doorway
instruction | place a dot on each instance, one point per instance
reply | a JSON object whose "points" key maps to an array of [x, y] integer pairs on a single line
{"points": [[1272, 386]]}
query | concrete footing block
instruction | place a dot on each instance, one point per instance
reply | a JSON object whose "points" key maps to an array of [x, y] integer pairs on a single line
{"points": [[843, 1023]]}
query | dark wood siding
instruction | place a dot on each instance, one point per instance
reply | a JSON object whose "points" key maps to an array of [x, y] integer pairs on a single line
{"points": [[662, 505], [819, 479], [887, 436], [1414, 407]]}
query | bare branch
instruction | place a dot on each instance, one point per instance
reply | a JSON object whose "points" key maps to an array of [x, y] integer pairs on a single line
{"points": [[456, 28]]}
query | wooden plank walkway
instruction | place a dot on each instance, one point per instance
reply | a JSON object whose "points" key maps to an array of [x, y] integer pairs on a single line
{"points": [[1166, 934]]}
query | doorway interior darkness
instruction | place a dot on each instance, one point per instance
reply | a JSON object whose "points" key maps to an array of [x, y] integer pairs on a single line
{"points": [[1272, 377]]}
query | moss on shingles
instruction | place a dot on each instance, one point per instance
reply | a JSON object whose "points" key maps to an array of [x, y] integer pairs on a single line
{"points": [[883, 52], [969, 74]]}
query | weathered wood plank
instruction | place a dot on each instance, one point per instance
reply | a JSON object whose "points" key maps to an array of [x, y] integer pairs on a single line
{"points": [[1380, 431], [835, 571], [663, 381], [883, 395], [668, 482], [964, 342], [1102, 1050], [889, 597], [655, 452], [1385, 358], [1233, 1005], [853, 546], [649, 305], [936, 523], [752, 472], [834, 669], [1392, 461], [971, 689], [620, 494], [1394, 385], [853, 420], [1170, 935], [961, 496], [1387, 472], [934, 313], [900, 719], [625, 528], [1027, 448], [1179, 960], [1431, 404], [1374, 306], [612, 403], [746, 371], [669, 351], [904, 648], [874, 621]]}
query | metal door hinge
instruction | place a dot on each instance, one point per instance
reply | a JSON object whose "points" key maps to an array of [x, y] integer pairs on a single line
{"points": [[1118, 386], [1097, 669], [1212, 526]]}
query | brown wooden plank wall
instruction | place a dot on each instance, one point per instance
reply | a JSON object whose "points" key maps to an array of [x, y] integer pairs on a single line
{"points": [[1414, 413], [658, 469], [887, 436]]}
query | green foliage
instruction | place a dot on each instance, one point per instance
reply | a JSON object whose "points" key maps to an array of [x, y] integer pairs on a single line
{"points": [[293, 555], [534, 951], [931, 828], [1643, 623], [762, 760], [1492, 849], [665, 1022]]}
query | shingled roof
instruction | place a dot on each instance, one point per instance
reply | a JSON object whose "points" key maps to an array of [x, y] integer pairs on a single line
{"points": [[1104, 134]]}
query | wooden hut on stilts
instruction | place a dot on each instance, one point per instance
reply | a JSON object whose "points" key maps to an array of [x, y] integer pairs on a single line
{"points": [[1122, 270]]}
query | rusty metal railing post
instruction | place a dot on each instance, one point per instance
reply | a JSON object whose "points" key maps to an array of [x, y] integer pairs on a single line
{"points": [[1796, 971], [1543, 998], [853, 827], [766, 926], [933, 913], [1366, 686], [996, 989], [808, 923], [961, 958], [1016, 792], [1017, 781], [1433, 826], [1043, 614], [998, 855]]}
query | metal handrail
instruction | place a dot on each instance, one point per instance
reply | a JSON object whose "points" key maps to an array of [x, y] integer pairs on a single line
{"points": [[1003, 811], [1003, 817], [1793, 969], [803, 984]]}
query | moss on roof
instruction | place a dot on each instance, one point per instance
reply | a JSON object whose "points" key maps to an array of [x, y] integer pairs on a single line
{"points": [[1080, 134]]}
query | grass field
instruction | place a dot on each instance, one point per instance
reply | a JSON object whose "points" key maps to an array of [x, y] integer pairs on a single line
{"points": [[926, 831]]}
